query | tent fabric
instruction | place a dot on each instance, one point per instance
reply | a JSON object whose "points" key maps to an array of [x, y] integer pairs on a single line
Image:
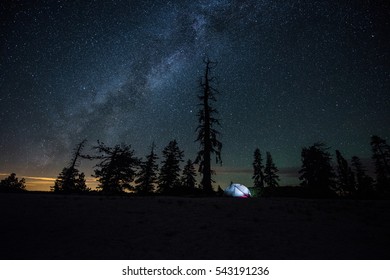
{"points": [[237, 190]]}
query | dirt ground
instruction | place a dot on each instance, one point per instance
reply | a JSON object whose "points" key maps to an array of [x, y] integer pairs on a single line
{"points": [[49, 226]]}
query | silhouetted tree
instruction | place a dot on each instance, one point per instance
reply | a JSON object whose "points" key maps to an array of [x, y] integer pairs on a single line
{"points": [[12, 184], [188, 180], [317, 172], [117, 168], [207, 134], [381, 157], [147, 176], [169, 173], [258, 174], [70, 180], [345, 177], [270, 172], [364, 183]]}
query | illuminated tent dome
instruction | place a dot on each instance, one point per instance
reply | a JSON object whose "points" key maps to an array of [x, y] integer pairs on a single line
{"points": [[237, 190]]}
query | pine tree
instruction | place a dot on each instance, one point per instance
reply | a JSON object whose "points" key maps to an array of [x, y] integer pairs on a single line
{"points": [[364, 183], [188, 179], [169, 173], [70, 180], [12, 184], [207, 134], [345, 176], [270, 177], [117, 168], [317, 172], [381, 157], [147, 177], [258, 174]]}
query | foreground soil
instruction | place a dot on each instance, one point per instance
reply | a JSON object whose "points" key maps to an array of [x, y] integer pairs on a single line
{"points": [[48, 226]]}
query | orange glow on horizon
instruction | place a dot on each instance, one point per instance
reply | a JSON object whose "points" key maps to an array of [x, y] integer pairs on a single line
{"points": [[223, 177], [35, 183]]}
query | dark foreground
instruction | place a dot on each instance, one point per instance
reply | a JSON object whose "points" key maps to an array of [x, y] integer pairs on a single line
{"points": [[48, 226]]}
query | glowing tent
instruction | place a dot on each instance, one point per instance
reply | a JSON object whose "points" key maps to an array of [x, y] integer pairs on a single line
{"points": [[237, 190]]}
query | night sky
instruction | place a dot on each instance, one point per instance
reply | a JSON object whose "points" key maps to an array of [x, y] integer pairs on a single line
{"points": [[290, 73]]}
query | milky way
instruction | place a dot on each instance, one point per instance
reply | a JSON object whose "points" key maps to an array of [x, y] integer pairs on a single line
{"points": [[290, 73]]}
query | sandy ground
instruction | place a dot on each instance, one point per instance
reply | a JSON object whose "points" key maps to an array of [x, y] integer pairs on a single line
{"points": [[48, 226]]}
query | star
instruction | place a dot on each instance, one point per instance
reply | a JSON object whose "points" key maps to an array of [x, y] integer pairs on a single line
{"points": [[289, 74]]}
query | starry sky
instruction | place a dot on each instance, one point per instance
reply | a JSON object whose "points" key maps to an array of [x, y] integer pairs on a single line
{"points": [[290, 73]]}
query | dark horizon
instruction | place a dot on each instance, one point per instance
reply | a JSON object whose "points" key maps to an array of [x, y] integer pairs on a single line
{"points": [[289, 176]]}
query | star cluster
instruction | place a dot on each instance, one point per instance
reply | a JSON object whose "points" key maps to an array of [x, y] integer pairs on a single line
{"points": [[290, 73]]}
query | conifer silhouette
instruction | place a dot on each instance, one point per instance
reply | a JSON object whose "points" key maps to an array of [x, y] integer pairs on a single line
{"points": [[168, 179], [12, 184], [147, 176], [317, 172], [70, 180], [364, 183], [270, 172], [117, 168], [258, 170], [345, 177], [188, 179], [381, 157], [207, 134]]}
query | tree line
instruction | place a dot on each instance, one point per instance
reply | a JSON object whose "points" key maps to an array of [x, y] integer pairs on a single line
{"points": [[323, 178], [118, 169]]}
